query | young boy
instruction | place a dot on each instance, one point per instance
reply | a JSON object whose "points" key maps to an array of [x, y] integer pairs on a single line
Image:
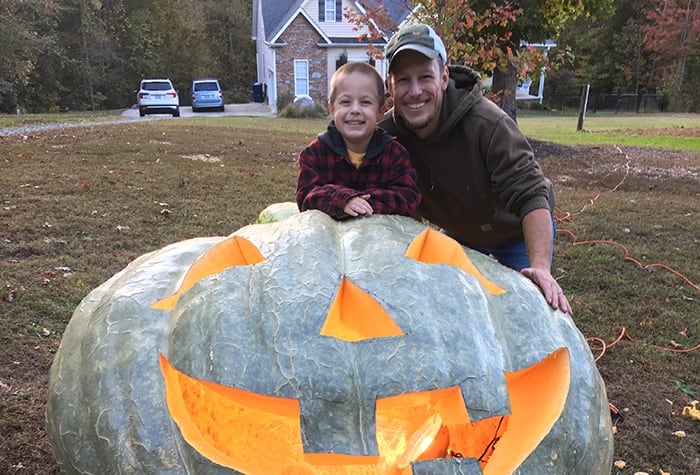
{"points": [[354, 168]]}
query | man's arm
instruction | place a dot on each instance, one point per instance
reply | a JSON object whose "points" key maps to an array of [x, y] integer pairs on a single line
{"points": [[537, 229]]}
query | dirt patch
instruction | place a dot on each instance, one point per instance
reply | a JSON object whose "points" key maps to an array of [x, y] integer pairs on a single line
{"points": [[640, 169]]}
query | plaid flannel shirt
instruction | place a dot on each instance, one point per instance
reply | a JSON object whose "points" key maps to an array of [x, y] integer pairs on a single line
{"points": [[328, 180]]}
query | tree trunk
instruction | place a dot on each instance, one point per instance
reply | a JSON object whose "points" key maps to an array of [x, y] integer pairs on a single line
{"points": [[504, 84]]}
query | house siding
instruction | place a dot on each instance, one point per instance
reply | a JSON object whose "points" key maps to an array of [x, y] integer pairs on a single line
{"points": [[265, 58], [341, 29], [301, 42]]}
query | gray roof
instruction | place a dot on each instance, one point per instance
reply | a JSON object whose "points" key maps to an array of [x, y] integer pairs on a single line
{"points": [[277, 12]]}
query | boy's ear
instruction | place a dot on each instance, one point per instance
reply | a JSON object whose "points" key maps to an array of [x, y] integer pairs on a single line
{"points": [[329, 107]]}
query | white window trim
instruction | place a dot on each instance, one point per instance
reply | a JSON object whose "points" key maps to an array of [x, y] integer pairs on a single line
{"points": [[305, 63]]}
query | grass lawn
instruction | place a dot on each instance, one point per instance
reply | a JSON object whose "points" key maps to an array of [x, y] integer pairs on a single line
{"points": [[665, 131], [81, 203]]}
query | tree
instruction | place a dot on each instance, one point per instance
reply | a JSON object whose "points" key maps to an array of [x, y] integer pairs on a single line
{"points": [[610, 53], [90, 54], [488, 36], [228, 27], [27, 29], [672, 37], [87, 51]]}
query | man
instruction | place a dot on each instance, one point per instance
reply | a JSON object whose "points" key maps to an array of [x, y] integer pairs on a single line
{"points": [[476, 170]]}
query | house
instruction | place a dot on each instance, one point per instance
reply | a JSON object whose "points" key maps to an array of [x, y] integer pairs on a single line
{"points": [[299, 44]]}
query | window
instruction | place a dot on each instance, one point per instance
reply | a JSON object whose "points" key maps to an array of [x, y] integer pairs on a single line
{"points": [[206, 86], [330, 10], [156, 86], [301, 77]]}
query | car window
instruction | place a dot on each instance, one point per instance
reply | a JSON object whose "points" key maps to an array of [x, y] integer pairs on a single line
{"points": [[206, 86], [156, 86]]}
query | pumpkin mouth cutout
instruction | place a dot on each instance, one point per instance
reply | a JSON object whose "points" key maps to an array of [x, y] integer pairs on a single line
{"points": [[260, 434]]}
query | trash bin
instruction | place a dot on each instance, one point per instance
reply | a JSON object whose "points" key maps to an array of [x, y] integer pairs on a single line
{"points": [[258, 92]]}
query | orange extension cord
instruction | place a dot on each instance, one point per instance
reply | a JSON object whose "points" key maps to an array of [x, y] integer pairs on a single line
{"points": [[566, 217]]}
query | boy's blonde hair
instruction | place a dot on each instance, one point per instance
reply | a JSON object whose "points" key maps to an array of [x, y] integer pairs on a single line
{"points": [[357, 67]]}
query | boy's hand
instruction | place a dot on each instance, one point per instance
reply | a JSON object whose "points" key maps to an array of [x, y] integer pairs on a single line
{"points": [[359, 206]]}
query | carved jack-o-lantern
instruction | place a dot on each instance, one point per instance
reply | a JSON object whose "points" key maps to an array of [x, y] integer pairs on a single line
{"points": [[308, 346]]}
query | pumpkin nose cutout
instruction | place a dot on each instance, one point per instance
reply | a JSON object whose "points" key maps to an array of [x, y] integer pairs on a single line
{"points": [[354, 315]]}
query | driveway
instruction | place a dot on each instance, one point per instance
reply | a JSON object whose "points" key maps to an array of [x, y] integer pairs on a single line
{"points": [[251, 109]]}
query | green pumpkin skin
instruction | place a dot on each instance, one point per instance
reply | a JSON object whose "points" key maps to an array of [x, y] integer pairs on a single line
{"points": [[106, 411], [277, 212]]}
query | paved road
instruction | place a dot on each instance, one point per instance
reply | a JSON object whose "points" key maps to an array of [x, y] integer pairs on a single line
{"points": [[252, 109]]}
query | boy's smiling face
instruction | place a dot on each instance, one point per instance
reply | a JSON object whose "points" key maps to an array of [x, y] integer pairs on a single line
{"points": [[356, 109]]}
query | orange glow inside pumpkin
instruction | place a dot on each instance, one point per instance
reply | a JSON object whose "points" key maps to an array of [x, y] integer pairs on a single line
{"points": [[259, 434], [354, 316]]}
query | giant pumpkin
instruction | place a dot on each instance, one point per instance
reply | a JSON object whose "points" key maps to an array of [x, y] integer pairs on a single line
{"points": [[312, 346]]}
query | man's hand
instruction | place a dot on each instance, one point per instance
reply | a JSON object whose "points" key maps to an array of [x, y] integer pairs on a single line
{"points": [[553, 293], [359, 205], [537, 229]]}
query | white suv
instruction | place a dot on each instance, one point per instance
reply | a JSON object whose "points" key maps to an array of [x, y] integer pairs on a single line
{"points": [[158, 96]]}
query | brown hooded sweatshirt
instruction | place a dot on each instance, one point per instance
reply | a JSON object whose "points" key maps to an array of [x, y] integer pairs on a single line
{"points": [[477, 172]]}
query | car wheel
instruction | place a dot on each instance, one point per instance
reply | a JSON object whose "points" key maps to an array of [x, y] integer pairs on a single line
{"points": [[222, 109], [142, 112], [176, 113]]}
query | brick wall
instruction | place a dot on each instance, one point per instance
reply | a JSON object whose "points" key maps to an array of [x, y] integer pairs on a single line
{"points": [[301, 43]]}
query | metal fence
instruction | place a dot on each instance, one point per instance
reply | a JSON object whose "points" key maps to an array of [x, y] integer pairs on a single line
{"points": [[599, 102], [626, 102]]}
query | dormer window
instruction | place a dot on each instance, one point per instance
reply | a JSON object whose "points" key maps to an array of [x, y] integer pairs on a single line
{"points": [[330, 10]]}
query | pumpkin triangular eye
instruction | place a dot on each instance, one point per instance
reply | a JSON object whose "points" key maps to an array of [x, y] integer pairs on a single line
{"points": [[434, 247], [233, 251], [354, 315]]}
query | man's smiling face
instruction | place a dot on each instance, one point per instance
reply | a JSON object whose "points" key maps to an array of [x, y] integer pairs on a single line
{"points": [[418, 84]]}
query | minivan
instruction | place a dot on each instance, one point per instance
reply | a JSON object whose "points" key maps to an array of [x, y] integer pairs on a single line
{"points": [[206, 94]]}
